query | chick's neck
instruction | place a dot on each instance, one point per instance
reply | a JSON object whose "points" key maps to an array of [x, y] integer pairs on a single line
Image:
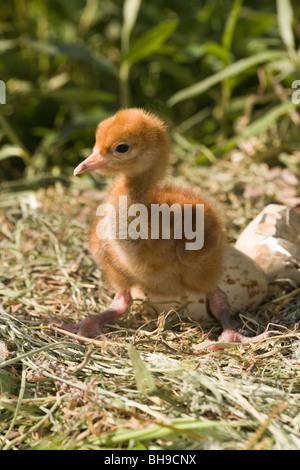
{"points": [[139, 187]]}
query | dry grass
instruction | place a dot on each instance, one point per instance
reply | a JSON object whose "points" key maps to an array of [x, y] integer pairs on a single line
{"points": [[146, 386]]}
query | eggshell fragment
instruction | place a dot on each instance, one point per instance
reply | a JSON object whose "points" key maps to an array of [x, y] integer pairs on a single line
{"points": [[243, 281], [272, 240]]}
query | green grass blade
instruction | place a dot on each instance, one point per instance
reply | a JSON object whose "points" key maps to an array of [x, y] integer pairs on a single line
{"points": [[261, 125], [230, 71], [151, 42], [130, 13], [285, 21], [78, 95], [17, 410], [199, 429], [231, 24], [8, 151]]}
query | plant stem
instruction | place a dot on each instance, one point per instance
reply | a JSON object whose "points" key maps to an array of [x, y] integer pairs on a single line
{"points": [[124, 85]]}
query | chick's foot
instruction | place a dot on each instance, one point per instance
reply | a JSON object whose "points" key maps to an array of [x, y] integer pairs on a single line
{"points": [[92, 326], [220, 308]]}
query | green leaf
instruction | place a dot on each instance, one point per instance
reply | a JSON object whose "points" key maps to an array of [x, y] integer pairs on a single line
{"points": [[79, 95], [8, 382], [8, 151], [73, 51], [217, 50], [230, 71], [285, 21], [7, 44], [151, 42], [231, 24], [261, 125], [144, 380]]}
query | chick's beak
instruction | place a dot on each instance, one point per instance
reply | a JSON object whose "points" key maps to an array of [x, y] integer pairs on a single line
{"points": [[93, 162]]}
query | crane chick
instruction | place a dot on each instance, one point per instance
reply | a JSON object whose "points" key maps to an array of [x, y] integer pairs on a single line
{"points": [[135, 145]]}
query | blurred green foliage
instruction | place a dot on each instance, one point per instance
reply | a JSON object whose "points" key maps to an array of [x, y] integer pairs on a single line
{"points": [[196, 63]]}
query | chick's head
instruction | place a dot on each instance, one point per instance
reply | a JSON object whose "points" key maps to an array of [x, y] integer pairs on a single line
{"points": [[131, 142]]}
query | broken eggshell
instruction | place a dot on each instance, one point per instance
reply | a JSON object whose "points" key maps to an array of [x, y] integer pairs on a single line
{"points": [[242, 280], [267, 249], [272, 240]]}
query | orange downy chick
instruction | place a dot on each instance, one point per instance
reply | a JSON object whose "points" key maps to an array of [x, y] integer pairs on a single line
{"points": [[135, 144]]}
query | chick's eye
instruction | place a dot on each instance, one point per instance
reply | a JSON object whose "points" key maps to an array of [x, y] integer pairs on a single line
{"points": [[122, 148]]}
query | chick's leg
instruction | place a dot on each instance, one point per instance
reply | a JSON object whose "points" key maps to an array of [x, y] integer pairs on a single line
{"points": [[93, 324], [220, 308]]}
